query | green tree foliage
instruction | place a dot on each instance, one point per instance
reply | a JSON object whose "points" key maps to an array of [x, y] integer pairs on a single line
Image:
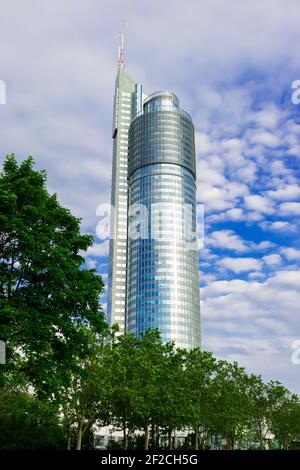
{"points": [[231, 412], [171, 399], [44, 292], [85, 400], [286, 419], [28, 423], [200, 372], [265, 400], [66, 372]]}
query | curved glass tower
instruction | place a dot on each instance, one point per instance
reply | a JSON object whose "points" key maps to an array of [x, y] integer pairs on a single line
{"points": [[162, 260], [153, 271]]}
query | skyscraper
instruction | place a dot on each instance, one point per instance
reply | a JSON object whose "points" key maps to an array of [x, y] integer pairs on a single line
{"points": [[153, 261]]}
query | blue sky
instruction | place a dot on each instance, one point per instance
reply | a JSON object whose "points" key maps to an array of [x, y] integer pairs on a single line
{"points": [[232, 65]]}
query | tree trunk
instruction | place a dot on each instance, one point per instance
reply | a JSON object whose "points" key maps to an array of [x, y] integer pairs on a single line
{"points": [[146, 437], [262, 444], [174, 440], [152, 439], [125, 438], [202, 440], [196, 439], [230, 443], [69, 442], [262, 436], [170, 438], [156, 437], [79, 436]]}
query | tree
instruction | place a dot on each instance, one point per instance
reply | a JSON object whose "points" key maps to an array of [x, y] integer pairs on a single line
{"points": [[231, 407], [85, 401], [170, 402], [121, 367], [200, 371], [28, 423], [44, 290], [157, 371], [286, 419], [149, 362], [136, 367], [265, 399]]}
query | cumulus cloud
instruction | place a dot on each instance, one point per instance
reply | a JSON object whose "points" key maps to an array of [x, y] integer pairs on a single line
{"points": [[258, 203], [268, 117], [272, 260], [268, 319], [98, 250], [59, 70], [291, 253], [239, 265], [281, 226], [285, 194], [265, 138], [290, 208], [228, 239]]}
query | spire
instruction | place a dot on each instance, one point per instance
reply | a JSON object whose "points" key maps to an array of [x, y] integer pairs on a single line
{"points": [[121, 60]]}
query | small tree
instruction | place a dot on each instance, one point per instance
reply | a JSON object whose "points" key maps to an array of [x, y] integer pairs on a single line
{"points": [[150, 363], [85, 401], [231, 407], [172, 391], [200, 371], [286, 420], [265, 399], [27, 423], [122, 363]]}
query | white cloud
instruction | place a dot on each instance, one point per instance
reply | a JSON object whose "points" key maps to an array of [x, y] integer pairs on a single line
{"points": [[264, 245], [285, 194], [247, 172], [287, 278], [227, 239], [265, 138], [239, 265], [258, 203], [268, 321], [278, 168], [291, 253], [290, 208], [209, 174], [234, 214], [256, 275], [203, 143], [98, 249], [279, 225], [268, 117], [272, 260], [232, 144], [91, 263]]}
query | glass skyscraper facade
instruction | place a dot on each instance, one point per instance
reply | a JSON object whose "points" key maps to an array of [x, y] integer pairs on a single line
{"points": [[153, 261]]}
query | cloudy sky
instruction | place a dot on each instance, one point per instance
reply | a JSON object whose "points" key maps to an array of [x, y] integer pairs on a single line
{"points": [[232, 65]]}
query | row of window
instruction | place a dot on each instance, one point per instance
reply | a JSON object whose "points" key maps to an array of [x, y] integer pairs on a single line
{"points": [[170, 253], [178, 324]]}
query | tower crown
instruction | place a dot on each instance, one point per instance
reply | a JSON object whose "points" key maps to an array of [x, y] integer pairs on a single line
{"points": [[161, 99]]}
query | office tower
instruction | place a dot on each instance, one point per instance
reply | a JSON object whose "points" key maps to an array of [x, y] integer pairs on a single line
{"points": [[127, 102], [153, 269]]}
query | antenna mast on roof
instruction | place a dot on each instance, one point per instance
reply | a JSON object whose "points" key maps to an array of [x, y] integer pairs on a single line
{"points": [[121, 59]]}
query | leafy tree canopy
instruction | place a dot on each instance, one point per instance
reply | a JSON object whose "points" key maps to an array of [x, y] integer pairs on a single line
{"points": [[44, 290]]}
